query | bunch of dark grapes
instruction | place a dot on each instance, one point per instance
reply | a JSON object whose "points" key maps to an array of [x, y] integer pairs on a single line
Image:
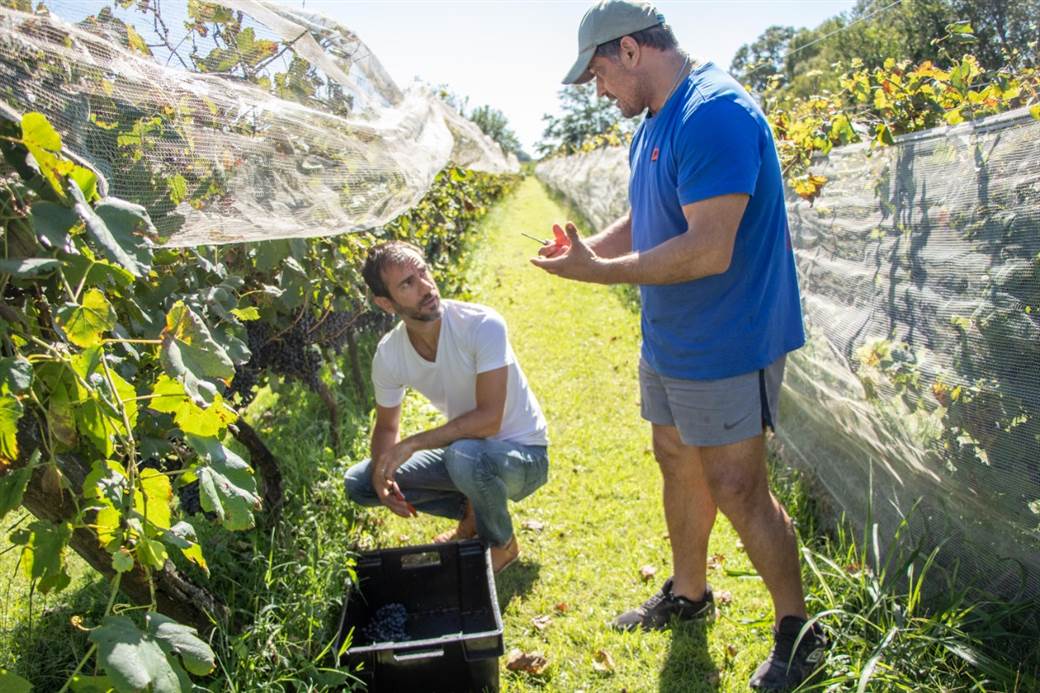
{"points": [[387, 624], [189, 497], [295, 352]]}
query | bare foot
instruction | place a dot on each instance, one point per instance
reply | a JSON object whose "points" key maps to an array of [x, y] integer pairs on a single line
{"points": [[466, 529], [504, 556]]}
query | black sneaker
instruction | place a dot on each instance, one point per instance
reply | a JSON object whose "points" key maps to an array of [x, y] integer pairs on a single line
{"points": [[658, 610], [781, 671]]}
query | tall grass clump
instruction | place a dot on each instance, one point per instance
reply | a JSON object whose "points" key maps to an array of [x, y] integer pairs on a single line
{"points": [[896, 617]]}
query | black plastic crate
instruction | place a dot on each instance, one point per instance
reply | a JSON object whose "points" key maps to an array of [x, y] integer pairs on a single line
{"points": [[454, 626]]}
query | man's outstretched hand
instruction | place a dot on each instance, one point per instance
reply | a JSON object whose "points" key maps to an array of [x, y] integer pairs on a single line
{"points": [[569, 257]]}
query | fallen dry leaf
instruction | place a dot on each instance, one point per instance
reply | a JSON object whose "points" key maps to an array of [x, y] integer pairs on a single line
{"points": [[530, 662], [533, 525], [603, 662], [724, 597], [716, 561], [562, 608], [731, 651], [647, 572], [541, 622]]}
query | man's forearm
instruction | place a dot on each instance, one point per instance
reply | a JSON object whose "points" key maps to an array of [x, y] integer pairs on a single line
{"points": [[472, 424], [680, 259], [613, 241]]}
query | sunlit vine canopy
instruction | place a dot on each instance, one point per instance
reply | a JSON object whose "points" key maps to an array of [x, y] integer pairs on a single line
{"points": [[233, 122]]}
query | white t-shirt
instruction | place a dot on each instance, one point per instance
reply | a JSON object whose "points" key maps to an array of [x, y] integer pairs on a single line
{"points": [[473, 339]]}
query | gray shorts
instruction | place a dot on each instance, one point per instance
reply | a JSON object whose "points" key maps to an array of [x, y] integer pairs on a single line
{"points": [[713, 412]]}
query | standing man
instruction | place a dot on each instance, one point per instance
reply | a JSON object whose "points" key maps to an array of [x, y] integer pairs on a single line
{"points": [[706, 239], [493, 446]]}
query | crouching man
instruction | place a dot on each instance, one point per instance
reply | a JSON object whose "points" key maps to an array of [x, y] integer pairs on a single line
{"points": [[492, 448]]}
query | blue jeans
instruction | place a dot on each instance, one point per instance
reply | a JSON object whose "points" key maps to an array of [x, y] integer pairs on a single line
{"points": [[439, 481]]}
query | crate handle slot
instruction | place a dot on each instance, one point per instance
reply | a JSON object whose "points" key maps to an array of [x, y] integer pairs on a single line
{"points": [[425, 559], [419, 654]]}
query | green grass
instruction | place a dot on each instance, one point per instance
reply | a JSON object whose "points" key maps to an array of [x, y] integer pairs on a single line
{"points": [[599, 522]]}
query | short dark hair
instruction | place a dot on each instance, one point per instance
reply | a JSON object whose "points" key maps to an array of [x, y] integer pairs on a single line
{"points": [[659, 36], [382, 255]]}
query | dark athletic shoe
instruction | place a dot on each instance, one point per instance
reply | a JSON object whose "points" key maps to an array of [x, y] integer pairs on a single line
{"points": [[781, 671], [658, 610]]}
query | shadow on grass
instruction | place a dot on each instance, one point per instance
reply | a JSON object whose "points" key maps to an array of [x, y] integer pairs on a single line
{"points": [[688, 667], [516, 580]]}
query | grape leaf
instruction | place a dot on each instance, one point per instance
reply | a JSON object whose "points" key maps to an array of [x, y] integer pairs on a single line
{"points": [[10, 411], [15, 374], [28, 266], [13, 683], [43, 553], [190, 354], [135, 660], [169, 397], [44, 143], [12, 487], [84, 323], [182, 536], [52, 223], [152, 501], [131, 227], [121, 250], [183, 641], [226, 483]]}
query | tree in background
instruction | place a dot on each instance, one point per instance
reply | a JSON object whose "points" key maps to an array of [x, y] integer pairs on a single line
{"points": [[758, 63], [491, 121], [495, 125], [800, 62], [583, 116]]}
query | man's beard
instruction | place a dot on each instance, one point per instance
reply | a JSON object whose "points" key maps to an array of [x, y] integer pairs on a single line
{"points": [[418, 314]]}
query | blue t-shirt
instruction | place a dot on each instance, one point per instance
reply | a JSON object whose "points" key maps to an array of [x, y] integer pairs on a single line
{"points": [[711, 139]]}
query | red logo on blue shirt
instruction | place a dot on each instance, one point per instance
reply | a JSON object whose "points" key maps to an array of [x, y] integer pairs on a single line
{"points": [[653, 154]]}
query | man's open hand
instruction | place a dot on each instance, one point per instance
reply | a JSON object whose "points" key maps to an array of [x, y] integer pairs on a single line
{"points": [[575, 260]]}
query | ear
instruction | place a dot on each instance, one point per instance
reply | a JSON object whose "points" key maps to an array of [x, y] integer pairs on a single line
{"points": [[385, 303], [629, 52]]}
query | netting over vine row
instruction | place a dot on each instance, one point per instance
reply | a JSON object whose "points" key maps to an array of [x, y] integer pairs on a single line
{"points": [[241, 121], [920, 384]]}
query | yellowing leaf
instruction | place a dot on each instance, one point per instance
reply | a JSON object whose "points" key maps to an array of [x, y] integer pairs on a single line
{"points": [[1034, 111], [10, 411], [190, 354], [153, 500], [182, 536], [44, 143], [171, 398], [85, 323], [136, 42], [107, 524]]}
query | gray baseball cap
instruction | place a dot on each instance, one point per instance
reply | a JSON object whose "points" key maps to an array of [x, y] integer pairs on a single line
{"points": [[606, 21]]}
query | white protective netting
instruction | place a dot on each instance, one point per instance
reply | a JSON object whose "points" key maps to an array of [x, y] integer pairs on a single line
{"points": [[286, 126], [920, 383]]}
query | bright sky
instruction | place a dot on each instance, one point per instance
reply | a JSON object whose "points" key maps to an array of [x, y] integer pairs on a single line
{"points": [[512, 55]]}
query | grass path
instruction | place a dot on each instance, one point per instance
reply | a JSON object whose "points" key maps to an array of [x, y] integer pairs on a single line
{"points": [[600, 515]]}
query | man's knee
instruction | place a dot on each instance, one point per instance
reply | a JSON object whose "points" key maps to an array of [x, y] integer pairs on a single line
{"points": [[358, 482], [736, 492], [462, 460], [672, 456]]}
